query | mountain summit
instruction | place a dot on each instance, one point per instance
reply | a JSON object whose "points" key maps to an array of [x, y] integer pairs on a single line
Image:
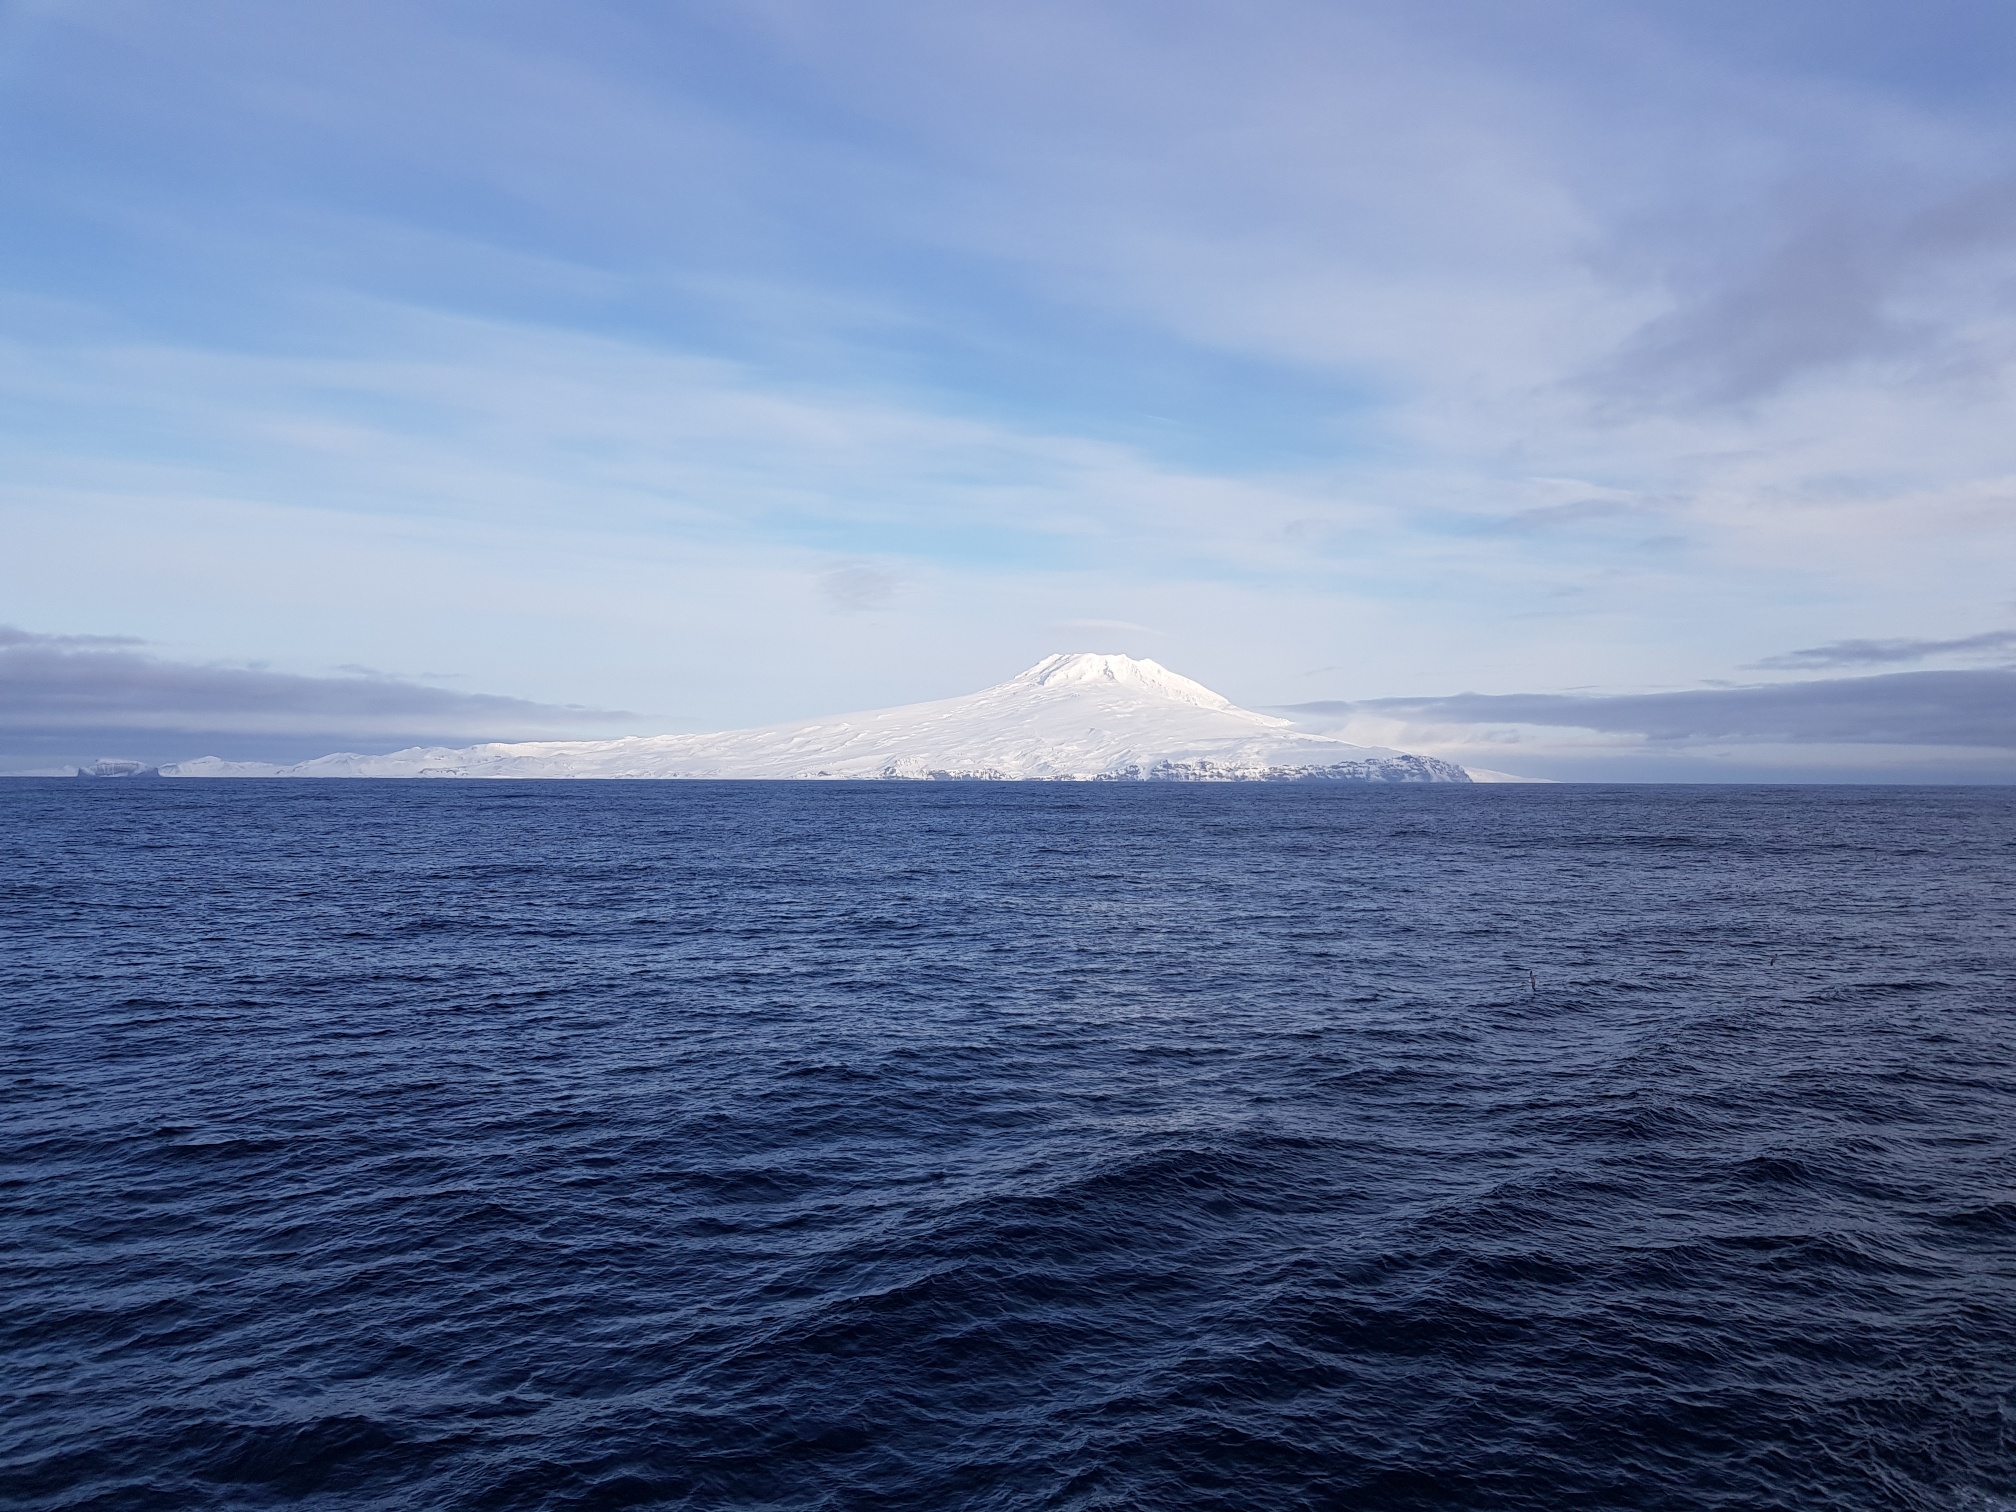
{"points": [[1073, 717], [1068, 667]]}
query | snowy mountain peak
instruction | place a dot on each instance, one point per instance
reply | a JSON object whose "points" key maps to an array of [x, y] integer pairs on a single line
{"points": [[1074, 717], [1067, 667]]}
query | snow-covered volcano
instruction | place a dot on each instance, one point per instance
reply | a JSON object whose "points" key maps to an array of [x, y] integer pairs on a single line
{"points": [[1074, 717]]}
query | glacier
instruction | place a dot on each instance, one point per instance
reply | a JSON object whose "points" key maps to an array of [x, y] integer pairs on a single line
{"points": [[1073, 717]]}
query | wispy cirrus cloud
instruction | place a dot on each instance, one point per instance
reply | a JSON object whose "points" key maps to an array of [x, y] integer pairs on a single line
{"points": [[1850, 277]]}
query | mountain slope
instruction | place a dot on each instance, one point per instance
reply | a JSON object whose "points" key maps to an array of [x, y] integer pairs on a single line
{"points": [[1071, 717]]}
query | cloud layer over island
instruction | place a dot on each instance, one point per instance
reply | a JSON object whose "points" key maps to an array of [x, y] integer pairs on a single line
{"points": [[1929, 726], [67, 699]]}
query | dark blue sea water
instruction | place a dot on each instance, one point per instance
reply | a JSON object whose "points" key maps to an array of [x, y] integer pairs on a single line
{"points": [[450, 1145]]}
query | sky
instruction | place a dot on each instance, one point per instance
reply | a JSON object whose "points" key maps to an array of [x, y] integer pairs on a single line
{"points": [[1585, 391]]}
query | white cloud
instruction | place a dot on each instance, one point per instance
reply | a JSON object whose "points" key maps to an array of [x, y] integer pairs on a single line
{"points": [[858, 588]]}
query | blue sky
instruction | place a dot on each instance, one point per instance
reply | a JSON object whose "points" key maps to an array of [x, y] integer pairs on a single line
{"points": [[722, 364]]}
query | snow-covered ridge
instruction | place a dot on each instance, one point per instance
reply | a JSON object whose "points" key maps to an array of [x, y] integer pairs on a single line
{"points": [[1073, 717], [1068, 667]]}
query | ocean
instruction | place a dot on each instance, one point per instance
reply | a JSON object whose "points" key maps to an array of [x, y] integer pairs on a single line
{"points": [[822, 1146]]}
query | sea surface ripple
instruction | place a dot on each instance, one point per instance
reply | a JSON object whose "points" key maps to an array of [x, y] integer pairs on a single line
{"points": [[593, 1145]]}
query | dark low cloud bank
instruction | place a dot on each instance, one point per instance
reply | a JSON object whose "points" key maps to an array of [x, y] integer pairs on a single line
{"points": [[1870, 653], [65, 699], [1974, 709]]}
